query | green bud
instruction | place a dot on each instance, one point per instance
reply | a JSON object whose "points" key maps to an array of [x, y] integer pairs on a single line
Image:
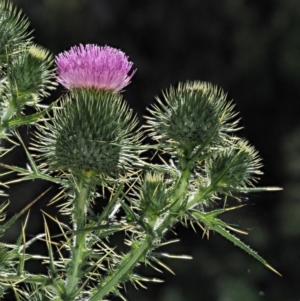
{"points": [[234, 167], [30, 73], [193, 114], [91, 131], [13, 30], [153, 194]]}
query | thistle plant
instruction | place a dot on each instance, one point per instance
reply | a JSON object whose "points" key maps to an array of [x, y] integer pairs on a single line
{"points": [[90, 144]]}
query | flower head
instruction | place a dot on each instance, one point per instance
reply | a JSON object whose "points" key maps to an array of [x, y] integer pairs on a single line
{"points": [[95, 67]]}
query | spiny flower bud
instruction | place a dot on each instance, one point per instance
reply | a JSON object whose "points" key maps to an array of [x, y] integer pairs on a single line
{"points": [[194, 114], [94, 67], [29, 72], [13, 30], [233, 167], [153, 194], [91, 131]]}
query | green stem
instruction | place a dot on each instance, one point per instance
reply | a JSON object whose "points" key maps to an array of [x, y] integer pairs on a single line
{"points": [[40, 279], [181, 189], [184, 179], [177, 198], [125, 267], [10, 111], [201, 195], [4, 122], [82, 197]]}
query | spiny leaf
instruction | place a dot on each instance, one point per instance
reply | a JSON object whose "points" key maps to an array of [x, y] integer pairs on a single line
{"points": [[12, 220], [244, 247], [217, 225]]}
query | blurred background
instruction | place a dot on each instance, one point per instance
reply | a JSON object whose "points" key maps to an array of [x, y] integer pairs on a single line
{"points": [[252, 50]]}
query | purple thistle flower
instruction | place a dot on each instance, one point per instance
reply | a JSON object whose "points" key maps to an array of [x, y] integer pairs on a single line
{"points": [[95, 67]]}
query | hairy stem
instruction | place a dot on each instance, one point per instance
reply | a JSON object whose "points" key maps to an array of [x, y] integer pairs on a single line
{"points": [[123, 270], [10, 111], [177, 198], [79, 248]]}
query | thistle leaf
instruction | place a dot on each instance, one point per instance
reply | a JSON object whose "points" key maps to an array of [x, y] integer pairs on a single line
{"points": [[211, 222]]}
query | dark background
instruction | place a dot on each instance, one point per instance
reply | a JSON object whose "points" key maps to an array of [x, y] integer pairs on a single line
{"points": [[252, 50]]}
